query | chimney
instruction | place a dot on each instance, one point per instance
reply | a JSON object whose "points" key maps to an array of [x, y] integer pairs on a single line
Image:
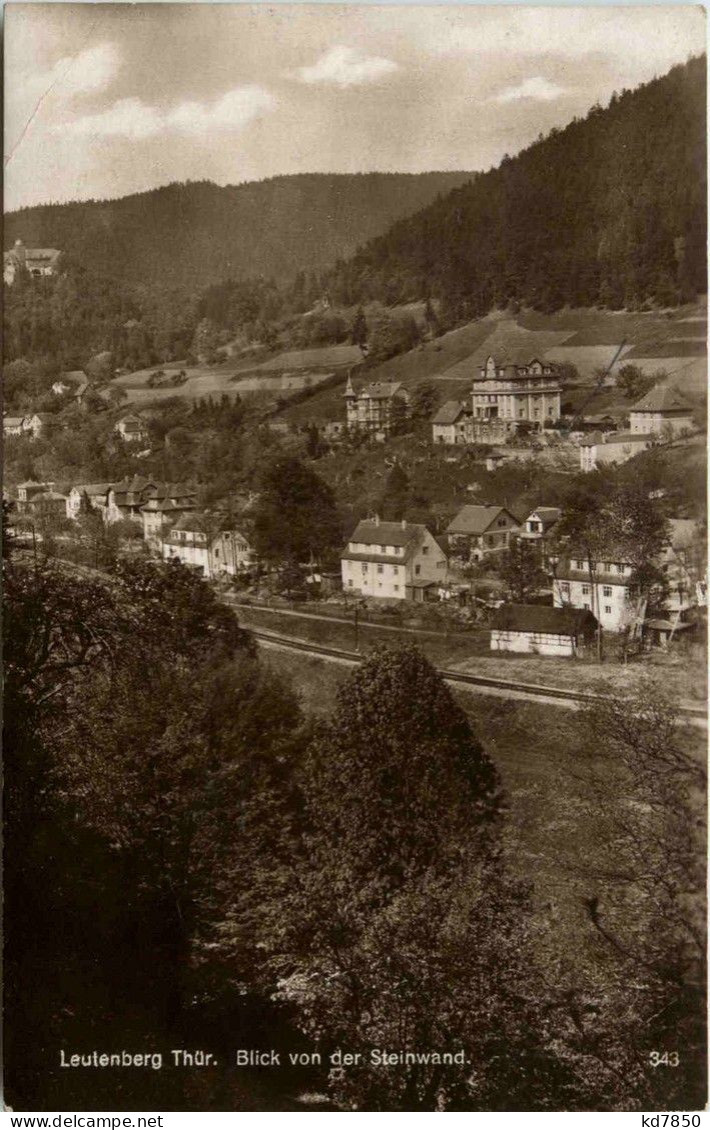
{"points": [[20, 251], [404, 523], [377, 519]]}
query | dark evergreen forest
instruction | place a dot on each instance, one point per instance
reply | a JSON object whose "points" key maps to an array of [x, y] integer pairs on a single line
{"points": [[608, 211], [194, 234]]}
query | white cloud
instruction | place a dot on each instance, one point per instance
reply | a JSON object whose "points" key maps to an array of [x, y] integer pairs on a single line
{"points": [[345, 66], [87, 72], [535, 89], [129, 117], [134, 119], [233, 110]]}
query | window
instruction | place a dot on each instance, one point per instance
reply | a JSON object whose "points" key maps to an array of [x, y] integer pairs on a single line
{"points": [[585, 590], [350, 584], [586, 606], [216, 553], [395, 570], [607, 566], [579, 564], [607, 609], [564, 588], [396, 588], [417, 570], [501, 523], [364, 567], [425, 550], [607, 590], [379, 568]]}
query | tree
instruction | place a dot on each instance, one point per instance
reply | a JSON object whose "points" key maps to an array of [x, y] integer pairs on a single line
{"points": [[606, 519], [432, 320], [566, 373], [635, 850], [295, 517], [392, 335], [359, 331], [519, 566], [633, 382], [396, 494], [403, 929], [425, 398]]}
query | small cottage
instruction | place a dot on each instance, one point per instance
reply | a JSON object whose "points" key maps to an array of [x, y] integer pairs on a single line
{"points": [[538, 629]]}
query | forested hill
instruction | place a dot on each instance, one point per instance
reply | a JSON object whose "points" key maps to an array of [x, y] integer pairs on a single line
{"points": [[608, 211], [198, 233]]}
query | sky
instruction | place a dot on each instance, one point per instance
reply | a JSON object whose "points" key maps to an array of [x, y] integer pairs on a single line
{"points": [[104, 100]]}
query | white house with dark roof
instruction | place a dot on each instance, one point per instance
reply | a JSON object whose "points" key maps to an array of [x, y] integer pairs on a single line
{"points": [[373, 409], [15, 425], [209, 544], [661, 410], [132, 429], [539, 526], [540, 522], [600, 448], [541, 630], [37, 261], [27, 491], [165, 504], [609, 596], [449, 423], [477, 531], [96, 493], [392, 560]]}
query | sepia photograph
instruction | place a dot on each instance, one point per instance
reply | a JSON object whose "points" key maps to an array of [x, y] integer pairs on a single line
{"points": [[354, 610]]}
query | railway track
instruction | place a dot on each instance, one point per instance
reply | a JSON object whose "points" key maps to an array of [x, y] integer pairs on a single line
{"points": [[533, 692]]}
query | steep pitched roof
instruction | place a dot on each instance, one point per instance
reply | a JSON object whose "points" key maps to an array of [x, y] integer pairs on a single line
{"points": [[380, 390], [548, 515], [476, 519], [92, 489], [386, 533], [449, 412], [662, 399], [542, 618]]}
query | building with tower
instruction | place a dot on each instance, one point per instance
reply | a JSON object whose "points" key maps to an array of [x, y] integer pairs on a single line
{"points": [[376, 407]]}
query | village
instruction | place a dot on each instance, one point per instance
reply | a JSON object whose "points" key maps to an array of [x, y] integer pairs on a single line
{"points": [[355, 573], [519, 572]]}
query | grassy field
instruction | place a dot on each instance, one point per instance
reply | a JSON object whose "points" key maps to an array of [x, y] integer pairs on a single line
{"points": [[444, 650], [535, 750], [682, 668], [673, 340], [287, 371]]}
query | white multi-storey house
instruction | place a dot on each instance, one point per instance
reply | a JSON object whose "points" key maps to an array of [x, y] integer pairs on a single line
{"points": [[208, 546], [516, 394], [609, 597], [392, 560]]}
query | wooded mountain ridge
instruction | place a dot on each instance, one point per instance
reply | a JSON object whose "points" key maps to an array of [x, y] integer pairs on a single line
{"points": [[198, 233], [609, 211]]}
